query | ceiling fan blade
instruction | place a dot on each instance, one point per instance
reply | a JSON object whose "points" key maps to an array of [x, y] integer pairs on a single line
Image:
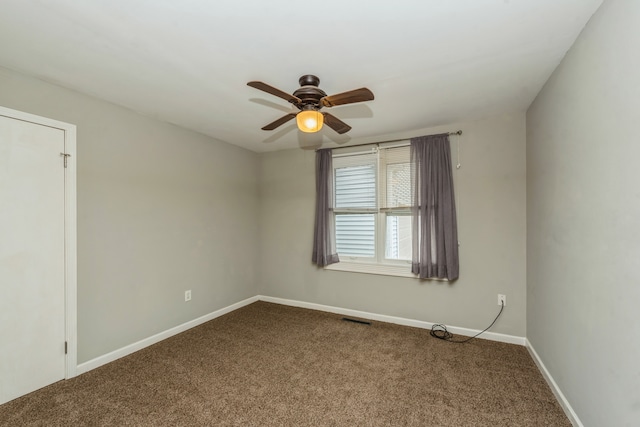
{"points": [[335, 123], [273, 91], [282, 120], [350, 97]]}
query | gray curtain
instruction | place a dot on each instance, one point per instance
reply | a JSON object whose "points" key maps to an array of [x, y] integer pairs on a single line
{"points": [[324, 250], [435, 234]]}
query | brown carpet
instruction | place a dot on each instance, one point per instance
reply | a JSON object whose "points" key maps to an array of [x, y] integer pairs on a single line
{"points": [[272, 365]]}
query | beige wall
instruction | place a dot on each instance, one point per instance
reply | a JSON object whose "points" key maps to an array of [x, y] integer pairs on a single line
{"points": [[583, 198], [491, 220], [160, 210]]}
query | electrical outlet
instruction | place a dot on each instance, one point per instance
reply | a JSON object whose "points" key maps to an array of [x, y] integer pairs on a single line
{"points": [[502, 299], [187, 295]]}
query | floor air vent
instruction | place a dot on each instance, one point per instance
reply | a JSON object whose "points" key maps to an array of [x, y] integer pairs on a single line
{"points": [[362, 322]]}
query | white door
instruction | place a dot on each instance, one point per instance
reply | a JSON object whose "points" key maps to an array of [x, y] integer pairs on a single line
{"points": [[32, 257]]}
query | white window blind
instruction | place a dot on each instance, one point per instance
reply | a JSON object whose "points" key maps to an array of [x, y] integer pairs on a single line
{"points": [[355, 205], [395, 195]]}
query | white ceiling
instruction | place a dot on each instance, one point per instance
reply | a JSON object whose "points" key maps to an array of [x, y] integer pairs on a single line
{"points": [[428, 62]]}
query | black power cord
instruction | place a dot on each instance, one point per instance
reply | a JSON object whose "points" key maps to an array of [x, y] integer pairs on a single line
{"points": [[440, 331]]}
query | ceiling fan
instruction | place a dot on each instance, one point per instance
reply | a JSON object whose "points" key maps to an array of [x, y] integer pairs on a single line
{"points": [[309, 99]]}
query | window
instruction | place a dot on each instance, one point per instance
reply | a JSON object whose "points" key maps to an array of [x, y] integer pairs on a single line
{"points": [[372, 210]]}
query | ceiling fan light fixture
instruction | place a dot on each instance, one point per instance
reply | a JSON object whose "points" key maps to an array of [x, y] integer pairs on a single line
{"points": [[310, 121]]}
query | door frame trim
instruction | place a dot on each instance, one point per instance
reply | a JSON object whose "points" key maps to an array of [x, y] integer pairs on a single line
{"points": [[70, 231]]}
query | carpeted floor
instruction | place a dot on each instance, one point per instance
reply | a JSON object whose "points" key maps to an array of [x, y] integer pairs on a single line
{"points": [[272, 365]]}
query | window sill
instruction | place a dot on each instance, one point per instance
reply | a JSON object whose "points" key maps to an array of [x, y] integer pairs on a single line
{"points": [[378, 269]]}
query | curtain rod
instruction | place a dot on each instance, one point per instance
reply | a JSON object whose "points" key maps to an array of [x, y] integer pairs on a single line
{"points": [[458, 132]]}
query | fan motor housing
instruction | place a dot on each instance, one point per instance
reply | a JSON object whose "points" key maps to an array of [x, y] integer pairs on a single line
{"points": [[309, 92]]}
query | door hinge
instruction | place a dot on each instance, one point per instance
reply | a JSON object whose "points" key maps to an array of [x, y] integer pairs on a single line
{"points": [[66, 156], [65, 347]]}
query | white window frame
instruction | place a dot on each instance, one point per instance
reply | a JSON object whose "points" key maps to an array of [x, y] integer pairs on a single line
{"points": [[378, 264]]}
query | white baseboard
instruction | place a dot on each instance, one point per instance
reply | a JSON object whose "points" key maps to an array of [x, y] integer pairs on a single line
{"points": [[493, 336], [132, 348], [568, 410]]}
